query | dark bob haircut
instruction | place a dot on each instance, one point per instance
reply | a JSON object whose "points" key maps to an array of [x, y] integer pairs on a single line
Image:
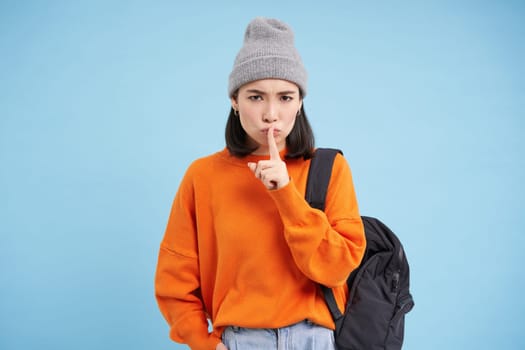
{"points": [[299, 143]]}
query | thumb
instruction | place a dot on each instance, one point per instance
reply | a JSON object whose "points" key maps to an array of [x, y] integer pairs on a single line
{"points": [[252, 166]]}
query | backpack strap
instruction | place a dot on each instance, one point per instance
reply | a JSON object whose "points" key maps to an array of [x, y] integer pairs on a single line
{"points": [[319, 176], [316, 188]]}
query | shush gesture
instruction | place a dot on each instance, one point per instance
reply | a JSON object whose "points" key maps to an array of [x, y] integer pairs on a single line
{"points": [[272, 172]]}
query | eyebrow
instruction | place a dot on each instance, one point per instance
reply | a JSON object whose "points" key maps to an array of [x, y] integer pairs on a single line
{"points": [[259, 92]]}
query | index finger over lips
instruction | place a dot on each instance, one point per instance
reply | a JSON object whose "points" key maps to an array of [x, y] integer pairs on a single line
{"points": [[272, 145]]}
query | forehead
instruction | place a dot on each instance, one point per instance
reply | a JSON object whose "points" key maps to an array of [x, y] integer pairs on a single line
{"points": [[270, 86]]}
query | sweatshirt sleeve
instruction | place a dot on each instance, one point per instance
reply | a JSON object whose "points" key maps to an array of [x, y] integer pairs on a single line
{"points": [[326, 246], [177, 279]]}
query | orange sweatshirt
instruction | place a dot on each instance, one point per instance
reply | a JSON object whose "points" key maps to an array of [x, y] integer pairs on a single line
{"points": [[241, 255]]}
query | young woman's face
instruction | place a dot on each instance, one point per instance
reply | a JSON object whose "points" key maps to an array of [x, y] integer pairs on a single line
{"points": [[267, 103]]}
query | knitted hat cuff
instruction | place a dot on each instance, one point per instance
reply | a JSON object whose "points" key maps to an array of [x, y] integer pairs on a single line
{"points": [[274, 67]]}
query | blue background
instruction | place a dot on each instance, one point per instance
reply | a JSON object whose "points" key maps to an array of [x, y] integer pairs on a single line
{"points": [[103, 105]]}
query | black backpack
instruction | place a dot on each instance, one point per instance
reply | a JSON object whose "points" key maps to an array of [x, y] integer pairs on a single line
{"points": [[379, 296]]}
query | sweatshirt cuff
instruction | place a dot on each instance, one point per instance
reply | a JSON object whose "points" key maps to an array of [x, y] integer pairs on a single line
{"points": [[196, 340], [288, 199]]}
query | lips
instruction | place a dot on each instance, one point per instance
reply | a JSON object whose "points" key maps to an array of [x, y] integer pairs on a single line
{"points": [[275, 131]]}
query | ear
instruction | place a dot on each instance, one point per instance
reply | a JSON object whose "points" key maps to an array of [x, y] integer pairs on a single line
{"points": [[234, 103], [300, 106]]}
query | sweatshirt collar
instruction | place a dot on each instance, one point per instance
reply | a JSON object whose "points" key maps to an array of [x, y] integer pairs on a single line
{"points": [[242, 161]]}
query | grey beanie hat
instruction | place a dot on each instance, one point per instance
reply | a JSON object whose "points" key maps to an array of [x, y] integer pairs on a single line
{"points": [[268, 52]]}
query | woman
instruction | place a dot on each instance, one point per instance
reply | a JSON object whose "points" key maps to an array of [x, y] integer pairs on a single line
{"points": [[242, 247]]}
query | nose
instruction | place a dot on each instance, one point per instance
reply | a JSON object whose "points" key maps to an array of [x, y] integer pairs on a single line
{"points": [[270, 113]]}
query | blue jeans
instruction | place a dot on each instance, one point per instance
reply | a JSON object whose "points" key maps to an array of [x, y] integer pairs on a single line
{"points": [[300, 336]]}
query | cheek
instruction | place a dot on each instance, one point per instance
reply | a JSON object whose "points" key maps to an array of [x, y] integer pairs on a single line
{"points": [[289, 123], [287, 126], [246, 121], [247, 115]]}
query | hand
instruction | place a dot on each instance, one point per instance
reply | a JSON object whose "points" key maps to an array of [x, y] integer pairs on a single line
{"points": [[221, 346], [272, 172]]}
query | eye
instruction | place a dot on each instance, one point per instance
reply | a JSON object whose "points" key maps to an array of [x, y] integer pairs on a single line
{"points": [[286, 98], [255, 98]]}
